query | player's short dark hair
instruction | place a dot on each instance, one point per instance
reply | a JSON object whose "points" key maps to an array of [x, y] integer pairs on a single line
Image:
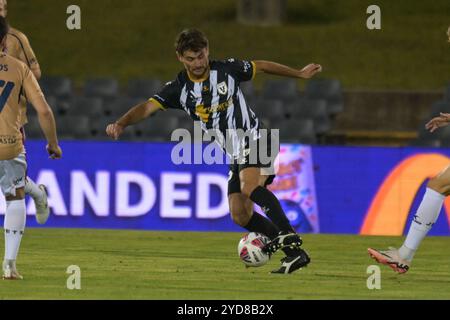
{"points": [[190, 39], [4, 28]]}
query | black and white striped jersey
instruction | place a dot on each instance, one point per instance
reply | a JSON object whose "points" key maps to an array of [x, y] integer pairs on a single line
{"points": [[217, 101]]}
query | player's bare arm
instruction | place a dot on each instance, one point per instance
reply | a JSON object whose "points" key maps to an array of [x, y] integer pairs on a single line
{"points": [[48, 125], [133, 116], [281, 70], [438, 122]]}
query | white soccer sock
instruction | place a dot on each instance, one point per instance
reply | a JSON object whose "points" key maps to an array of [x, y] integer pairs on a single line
{"points": [[32, 189], [426, 216], [14, 227]]}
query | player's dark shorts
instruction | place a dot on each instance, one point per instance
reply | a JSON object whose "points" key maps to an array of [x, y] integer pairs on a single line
{"points": [[253, 160]]}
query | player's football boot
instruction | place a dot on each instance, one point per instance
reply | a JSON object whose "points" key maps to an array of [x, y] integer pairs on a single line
{"points": [[390, 258], [284, 239], [294, 262], [42, 209], [10, 272]]}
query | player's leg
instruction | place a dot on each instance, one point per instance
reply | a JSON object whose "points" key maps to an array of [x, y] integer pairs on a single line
{"points": [[253, 186], [241, 209], [12, 182], [39, 195], [427, 214]]}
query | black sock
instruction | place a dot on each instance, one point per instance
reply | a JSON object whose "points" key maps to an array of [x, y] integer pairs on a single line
{"points": [[262, 225], [272, 208]]}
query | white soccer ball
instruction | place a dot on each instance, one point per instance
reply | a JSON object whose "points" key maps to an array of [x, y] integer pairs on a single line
{"points": [[250, 249]]}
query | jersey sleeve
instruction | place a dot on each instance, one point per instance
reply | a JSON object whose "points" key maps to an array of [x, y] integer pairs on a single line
{"points": [[168, 97], [242, 70], [27, 54], [31, 87]]}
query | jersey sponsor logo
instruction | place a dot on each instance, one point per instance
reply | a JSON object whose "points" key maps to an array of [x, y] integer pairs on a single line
{"points": [[8, 140], [203, 112], [222, 88]]}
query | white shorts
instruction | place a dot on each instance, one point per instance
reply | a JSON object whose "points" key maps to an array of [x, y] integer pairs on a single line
{"points": [[13, 174]]}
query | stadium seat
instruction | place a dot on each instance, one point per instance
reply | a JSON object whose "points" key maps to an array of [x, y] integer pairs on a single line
{"points": [[285, 89], [297, 131], [85, 106], [120, 105], [440, 106], [269, 108], [419, 142], [327, 89], [60, 87], [443, 135], [52, 102], [316, 110], [98, 129], [427, 139], [33, 129], [248, 90], [101, 87], [143, 88], [158, 127], [447, 93], [74, 127]]}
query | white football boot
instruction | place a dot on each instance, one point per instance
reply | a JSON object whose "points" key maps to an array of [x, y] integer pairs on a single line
{"points": [[42, 209], [390, 258], [10, 271]]}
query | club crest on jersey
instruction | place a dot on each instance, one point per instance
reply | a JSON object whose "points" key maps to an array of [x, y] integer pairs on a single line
{"points": [[222, 88]]}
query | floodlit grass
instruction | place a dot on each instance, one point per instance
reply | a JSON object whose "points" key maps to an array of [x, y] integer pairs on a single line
{"points": [[187, 265], [135, 38]]}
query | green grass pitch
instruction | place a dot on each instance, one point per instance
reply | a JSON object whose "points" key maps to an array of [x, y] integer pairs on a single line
{"points": [[198, 265]]}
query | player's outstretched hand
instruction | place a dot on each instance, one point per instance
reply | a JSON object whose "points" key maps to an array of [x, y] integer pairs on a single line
{"points": [[114, 130], [54, 151], [438, 122], [310, 70]]}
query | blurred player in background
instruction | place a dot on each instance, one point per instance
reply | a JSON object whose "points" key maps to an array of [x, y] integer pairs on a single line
{"points": [[209, 91], [18, 46], [17, 80], [427, 214]]}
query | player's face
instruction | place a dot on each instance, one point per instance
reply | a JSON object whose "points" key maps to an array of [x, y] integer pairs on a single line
{"points": [[3, 8], [196, 63]]}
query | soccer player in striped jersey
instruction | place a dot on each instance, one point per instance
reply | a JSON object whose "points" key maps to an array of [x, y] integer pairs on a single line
{"points": [[16, 80], [18, 46], [209, 91], [438, 188]]}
